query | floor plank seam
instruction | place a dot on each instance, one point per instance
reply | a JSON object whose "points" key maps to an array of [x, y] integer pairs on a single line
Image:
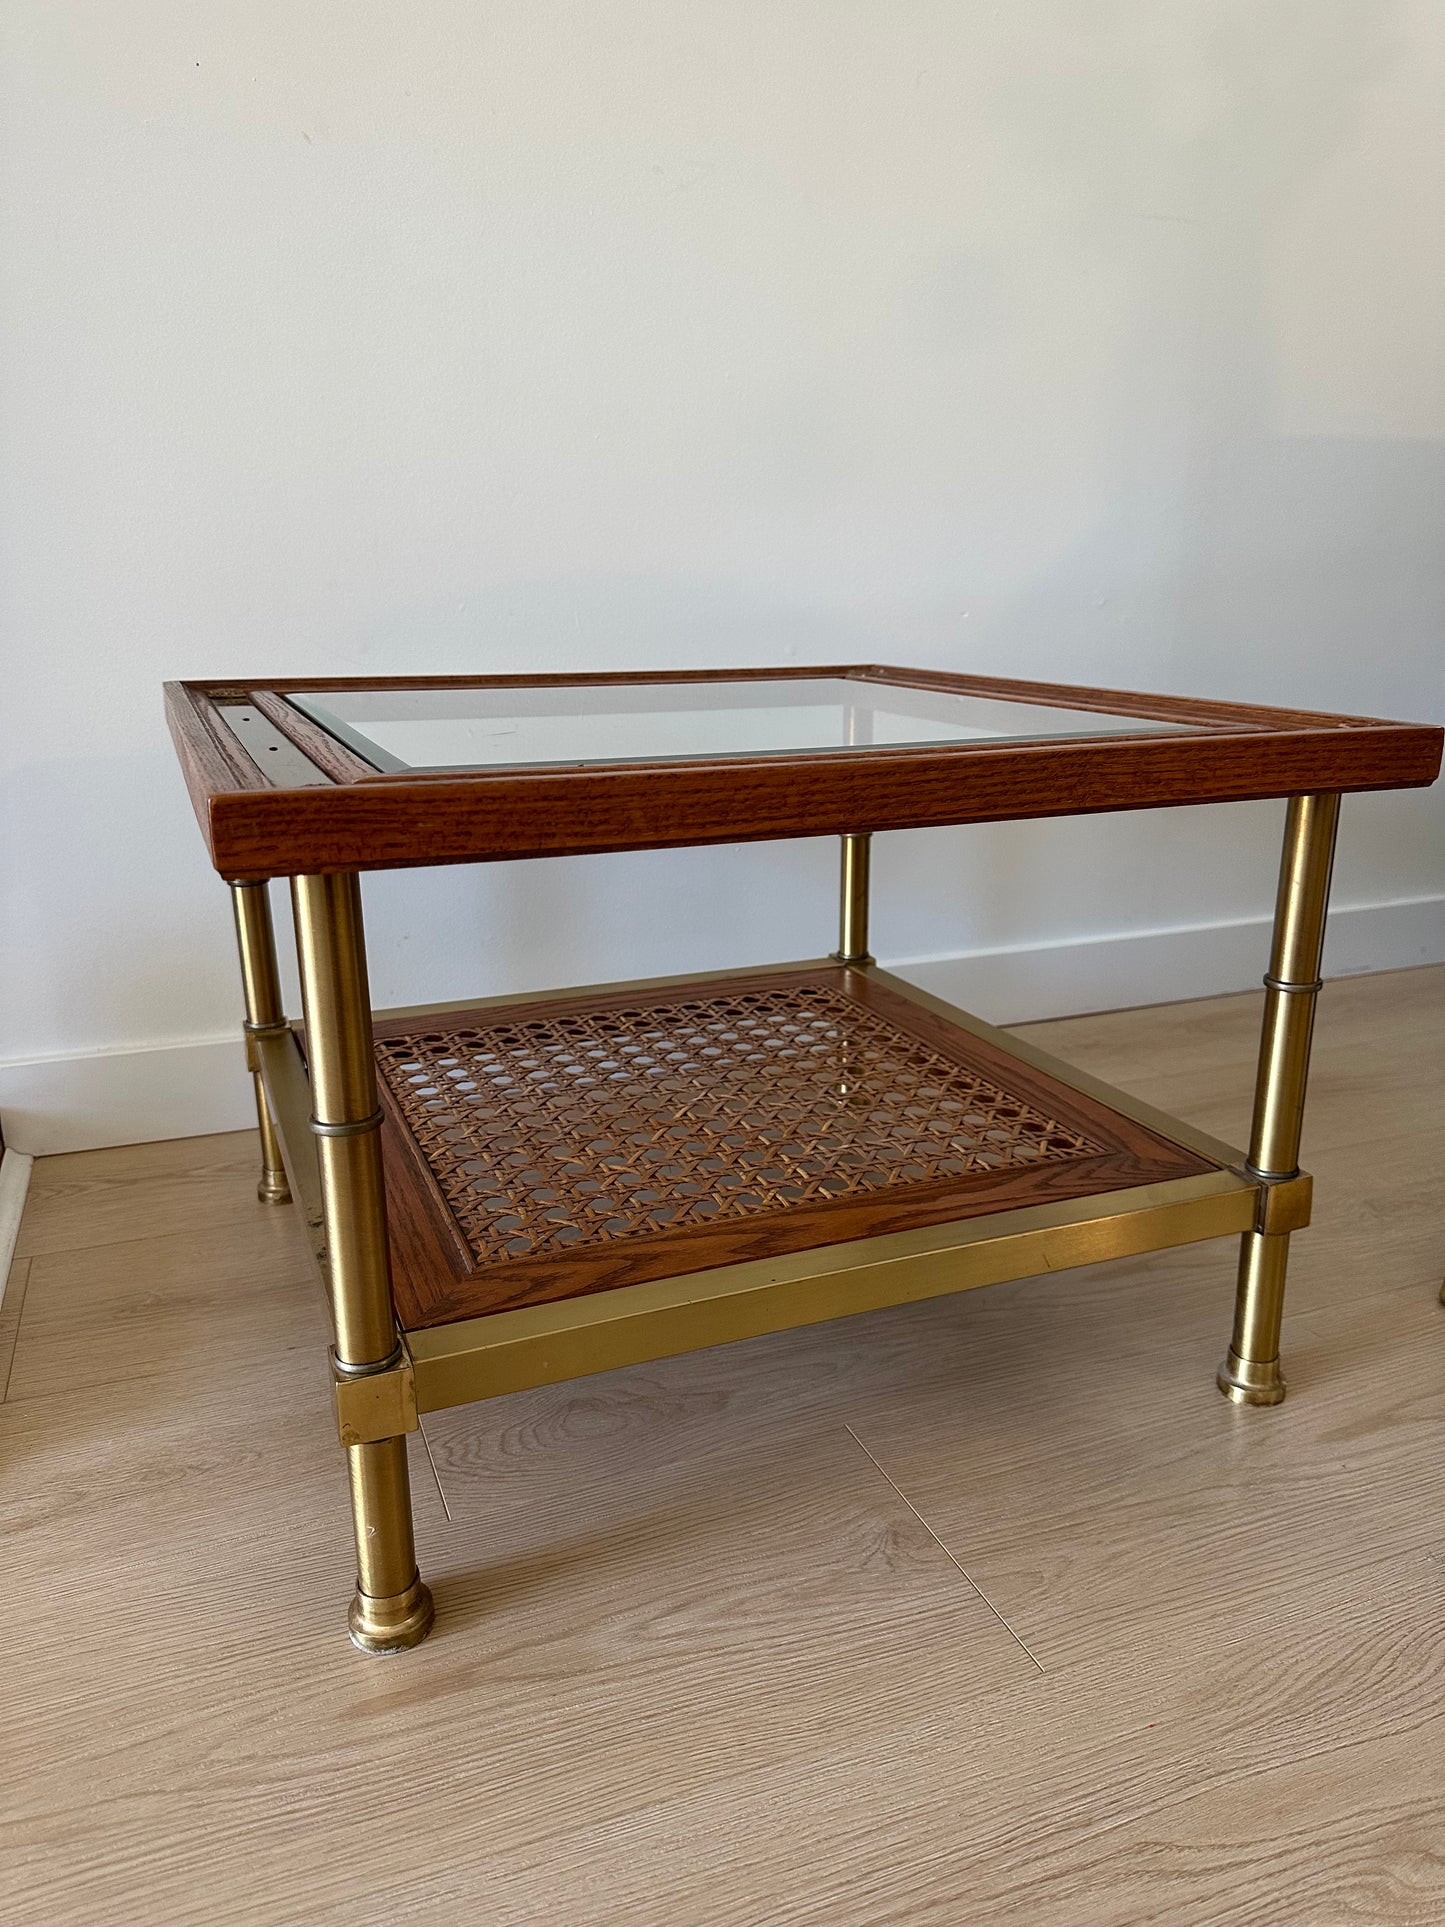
{"points": [[956, 1563], [14, 1315], [104, 1245]]}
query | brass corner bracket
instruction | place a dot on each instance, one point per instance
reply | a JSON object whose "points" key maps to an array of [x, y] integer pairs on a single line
{"points": [[1284, 1203], [252, 1035], [378, 1404]]}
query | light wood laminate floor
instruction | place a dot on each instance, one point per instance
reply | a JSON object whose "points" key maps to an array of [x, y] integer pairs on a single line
{"points": [[983, 1610]]}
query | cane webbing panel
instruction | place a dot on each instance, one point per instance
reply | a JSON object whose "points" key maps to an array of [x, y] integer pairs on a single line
{"points": [[550, 1132], [570, 1148]]}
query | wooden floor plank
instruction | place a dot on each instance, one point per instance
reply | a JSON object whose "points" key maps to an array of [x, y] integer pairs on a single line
{"points": [[1108, 1798], [723, 1628], [109, 1197], [1077, 1516], [167, 1306]]}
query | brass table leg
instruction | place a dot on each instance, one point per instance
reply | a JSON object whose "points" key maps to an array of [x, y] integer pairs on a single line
{"points": [[853, 949], [1250, 1374], [392, 1608], [853, 899], [257, 943]]}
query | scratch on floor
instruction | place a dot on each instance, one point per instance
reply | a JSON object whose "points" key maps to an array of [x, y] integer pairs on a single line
{"points": [[436, 1476], [954, 1562]]}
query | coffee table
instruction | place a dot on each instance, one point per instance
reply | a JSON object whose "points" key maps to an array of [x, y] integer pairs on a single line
{"points": [[516, 1191]]}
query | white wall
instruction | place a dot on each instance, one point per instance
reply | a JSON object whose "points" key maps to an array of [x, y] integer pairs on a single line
{"points": [[1098, 342]]}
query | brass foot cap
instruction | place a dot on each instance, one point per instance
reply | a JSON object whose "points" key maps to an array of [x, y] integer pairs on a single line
{"points": [[273, 1188], [393, 1624], [1250, 1381]]}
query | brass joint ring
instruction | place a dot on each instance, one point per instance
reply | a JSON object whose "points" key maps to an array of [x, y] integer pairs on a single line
{"points": [[396, 1356], [1270, 1177], [357, 1128], [265, 1030], [1293, 990]]}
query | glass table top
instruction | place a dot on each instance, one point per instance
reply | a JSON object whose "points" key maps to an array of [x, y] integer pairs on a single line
{"points": [[434, 728]]}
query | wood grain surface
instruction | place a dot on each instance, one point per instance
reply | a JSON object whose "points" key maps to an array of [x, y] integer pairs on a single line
{"points": [[987, 1610], [368, 820]]}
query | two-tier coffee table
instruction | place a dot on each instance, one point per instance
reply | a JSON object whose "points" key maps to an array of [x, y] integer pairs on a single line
{"points": [[517, 1191]]}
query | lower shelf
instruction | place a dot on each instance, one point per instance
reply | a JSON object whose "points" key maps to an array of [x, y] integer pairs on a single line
{"points": [[549, 1149], [599, 1179]]}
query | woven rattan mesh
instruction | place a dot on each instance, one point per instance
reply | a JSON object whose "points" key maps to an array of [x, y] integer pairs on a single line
{"points": [[553, 1132]]}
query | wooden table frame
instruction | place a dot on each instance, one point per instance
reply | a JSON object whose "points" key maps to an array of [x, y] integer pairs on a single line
{"points": [[326, 815]]}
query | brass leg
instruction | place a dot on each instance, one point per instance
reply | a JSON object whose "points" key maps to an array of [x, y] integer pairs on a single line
{"points": [[392, 1608], [853, 948], [257, 944], [853, 900], [1250, 1374]]}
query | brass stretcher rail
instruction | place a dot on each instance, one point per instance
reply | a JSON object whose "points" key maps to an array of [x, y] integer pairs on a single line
{"points": [[510, 1351]]}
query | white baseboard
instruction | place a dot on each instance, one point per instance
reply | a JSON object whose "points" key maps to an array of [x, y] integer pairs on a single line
{"points": [[88, 1100], [1169, 966]]}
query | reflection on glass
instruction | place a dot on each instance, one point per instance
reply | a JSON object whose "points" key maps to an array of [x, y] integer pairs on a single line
{"points": [[430, 728]]}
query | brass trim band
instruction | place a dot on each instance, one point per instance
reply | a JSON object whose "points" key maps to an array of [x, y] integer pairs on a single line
{"points": [[358, 1127], [388, 1364]]}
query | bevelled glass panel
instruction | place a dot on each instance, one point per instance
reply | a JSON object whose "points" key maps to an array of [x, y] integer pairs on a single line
{"points": [[430, 728]]}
